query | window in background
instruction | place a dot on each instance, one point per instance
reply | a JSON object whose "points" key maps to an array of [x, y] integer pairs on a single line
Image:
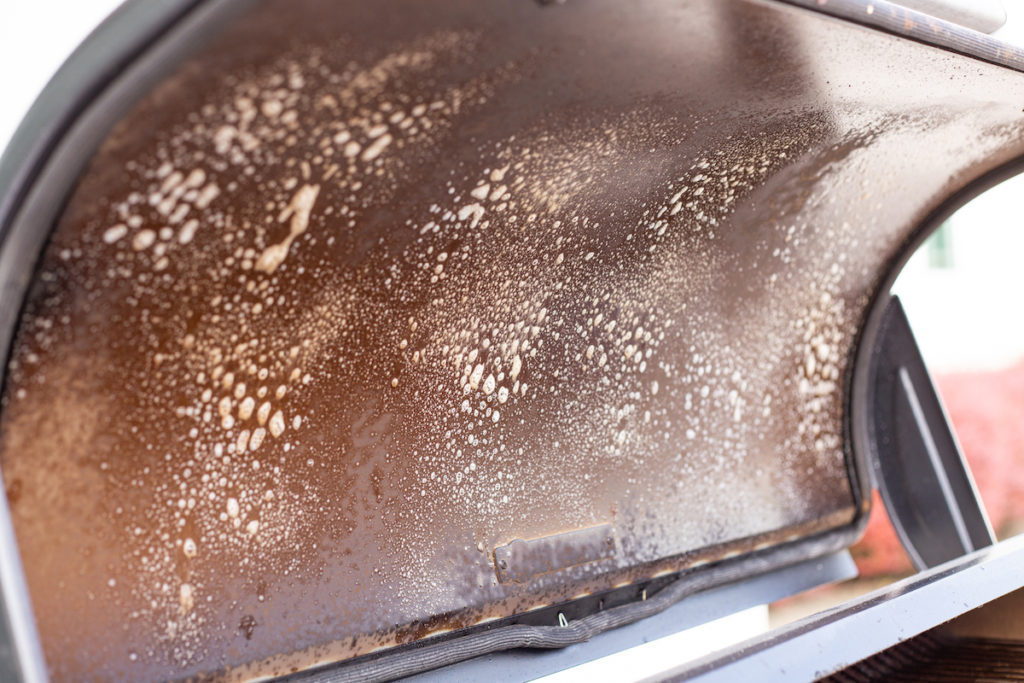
{"points": [[940, 248]]}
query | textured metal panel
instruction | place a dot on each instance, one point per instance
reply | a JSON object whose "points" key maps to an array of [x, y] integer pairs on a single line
{"points": [[936, 658]]}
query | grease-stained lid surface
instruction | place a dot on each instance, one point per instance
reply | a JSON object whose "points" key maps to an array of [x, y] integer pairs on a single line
{"points": [[366, 296]]}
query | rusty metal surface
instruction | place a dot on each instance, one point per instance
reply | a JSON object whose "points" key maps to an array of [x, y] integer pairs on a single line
{"points": [[367, 292]]}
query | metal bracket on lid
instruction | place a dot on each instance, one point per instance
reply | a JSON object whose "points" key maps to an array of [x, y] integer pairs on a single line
{"points": [[520, 561], [919, 469]]}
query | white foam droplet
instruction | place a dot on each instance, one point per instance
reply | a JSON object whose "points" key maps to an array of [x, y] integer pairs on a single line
{"points": [[376, 147], [115, 233], [264, 412], [143, 240], [256, 440], [481, 191], [277, 425], [188, 231], [246, 407], [186, 598], [476, 376], [299, 209]]}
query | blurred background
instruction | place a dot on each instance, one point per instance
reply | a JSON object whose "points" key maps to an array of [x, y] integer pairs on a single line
{"points": [[962, 291]]}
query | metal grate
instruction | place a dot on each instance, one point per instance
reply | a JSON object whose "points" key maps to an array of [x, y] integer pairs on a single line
{"points": [[934, 658]]}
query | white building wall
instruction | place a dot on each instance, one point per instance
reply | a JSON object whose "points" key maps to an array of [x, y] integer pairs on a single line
{"points": [[970, 316]]}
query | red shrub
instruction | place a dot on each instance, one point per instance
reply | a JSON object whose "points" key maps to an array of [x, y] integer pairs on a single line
{"points": [[987, 412]]}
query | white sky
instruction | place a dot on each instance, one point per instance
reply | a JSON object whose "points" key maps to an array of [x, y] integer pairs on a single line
{"points": [[36, 36]]}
